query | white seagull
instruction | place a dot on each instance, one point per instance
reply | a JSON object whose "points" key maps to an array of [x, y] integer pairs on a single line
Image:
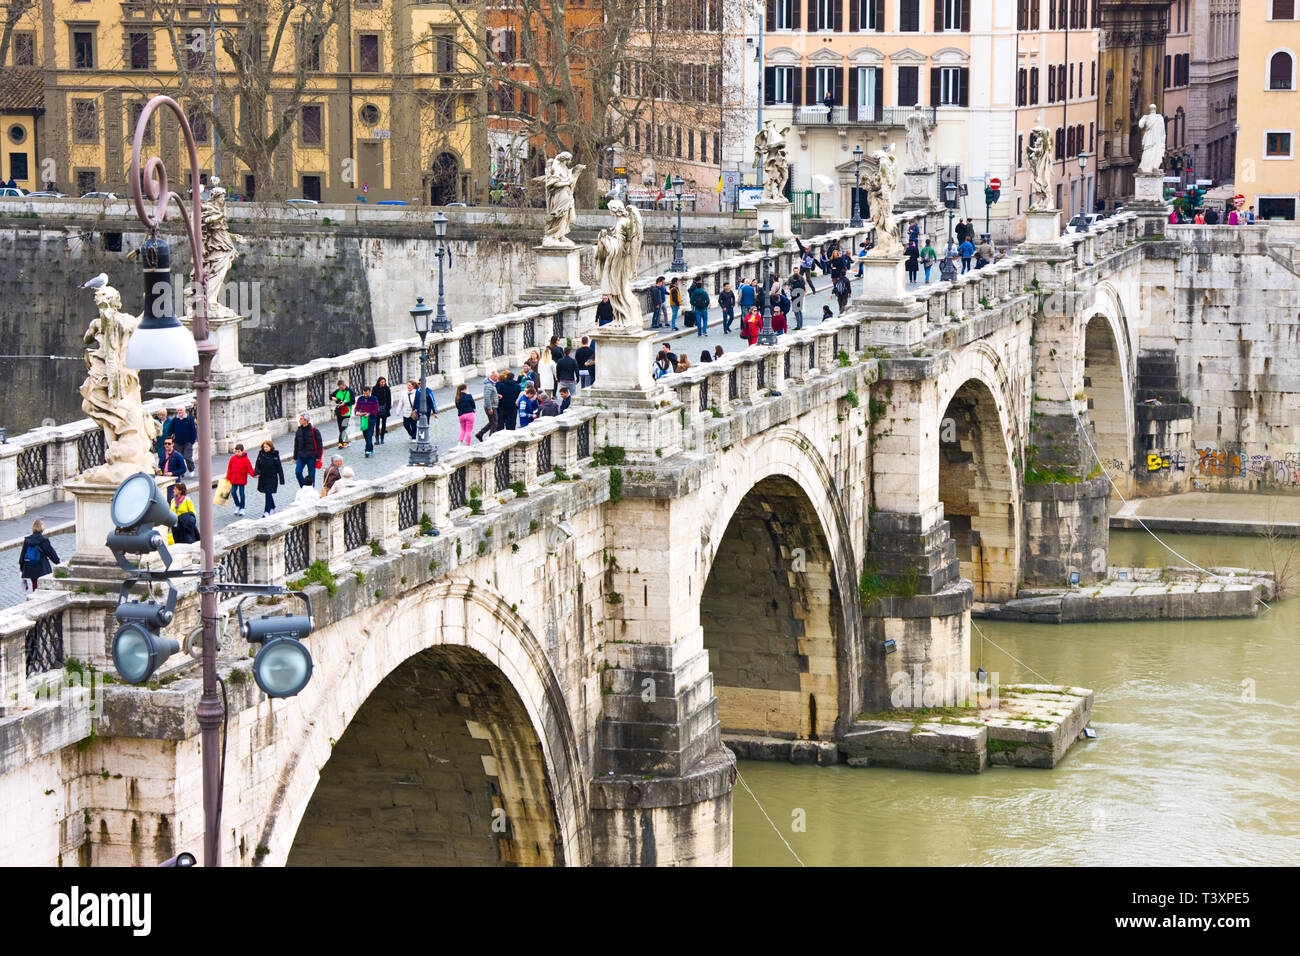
{"points": [[98, 282]]}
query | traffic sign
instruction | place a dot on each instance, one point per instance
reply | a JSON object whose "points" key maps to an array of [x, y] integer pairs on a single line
{"points": [[1239, 200], [365, 187], [995, 183]]}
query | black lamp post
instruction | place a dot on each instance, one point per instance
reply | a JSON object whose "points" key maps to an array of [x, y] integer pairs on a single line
{"points": [[679, 264], [766, 336], [950, 200], [441, 323], [1083, 190], [856, 221], [423, 452]]}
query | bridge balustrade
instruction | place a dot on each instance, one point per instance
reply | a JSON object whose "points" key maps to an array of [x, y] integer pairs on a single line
{"points": [[33, 643]]}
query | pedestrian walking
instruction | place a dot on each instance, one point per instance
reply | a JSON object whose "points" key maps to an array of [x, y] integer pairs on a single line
{"points": [[605, 312], [172, 464], [843, 291], [546, 372], [556, 350], [658, 299], [806, 264], [367, 412], [913, 232], [748, 295], [585, 358], [185, 433], [508, 389], [751, 325], [984, 253], [778, 321], [35, 557], [674, 300], [308, 451], [862, 259], [727, 302], [527, 406], [270, 475], [384, 395], [187, 518], [466, 412], [913, 256], [928, 257], [566, 371], [966, 250], [700, 303], [343, 399], [797, 295], [238, 470], [490, 400]]}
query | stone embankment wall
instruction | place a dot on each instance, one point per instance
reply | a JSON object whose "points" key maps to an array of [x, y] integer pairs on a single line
{"points": [[1221, 352]]}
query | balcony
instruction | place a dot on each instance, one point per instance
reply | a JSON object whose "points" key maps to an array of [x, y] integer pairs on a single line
{"points": [[860, 116]]}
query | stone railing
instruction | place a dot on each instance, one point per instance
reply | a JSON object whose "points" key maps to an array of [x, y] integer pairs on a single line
{"points": [[32, 644]]}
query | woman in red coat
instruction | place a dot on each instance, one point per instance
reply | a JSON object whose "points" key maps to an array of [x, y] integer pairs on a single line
{"points": [[752, 325], [238, 472]]}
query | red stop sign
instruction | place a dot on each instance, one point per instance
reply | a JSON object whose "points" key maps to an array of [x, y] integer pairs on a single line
{"points": [[995, 184]]}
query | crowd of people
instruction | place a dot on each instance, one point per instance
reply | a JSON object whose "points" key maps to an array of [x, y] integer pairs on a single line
{"points": [[1210, 216]]}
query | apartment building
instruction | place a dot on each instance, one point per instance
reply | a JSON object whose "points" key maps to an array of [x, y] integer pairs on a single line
{"points": [[984, 73], [335, 101], [1200, 88], [1268, 108]]}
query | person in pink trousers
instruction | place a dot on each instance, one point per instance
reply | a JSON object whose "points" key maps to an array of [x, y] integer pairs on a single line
{"points": [[466, 409]]}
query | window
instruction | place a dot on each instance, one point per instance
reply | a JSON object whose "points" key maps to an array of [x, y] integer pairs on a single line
{"points": [[1281, 71], [193, 57], [780, 84], [310, 45], [444, 54], [829, 13], [198, 122], [1022, 15], [1020, 151], [690, 145], [870, 15], [17, 165], [368, 53], [909, 16], [825, 83], [1051, 83], [909, 85], [1070, 92], [311, 187], [313, 126], [83, 50], [1277, 144], [1276, 207], [951, 15], [24, 47], [1092, 130], [85, 121], [1092, 87], [1034, 82], [948, 86], [133, 115], [1060, 142], [1282, 10], [86, 181], [783, 14]]}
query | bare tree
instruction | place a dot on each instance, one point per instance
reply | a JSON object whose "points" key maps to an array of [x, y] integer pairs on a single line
{"points": [[274, 47], [14, 11], [576, 78]]}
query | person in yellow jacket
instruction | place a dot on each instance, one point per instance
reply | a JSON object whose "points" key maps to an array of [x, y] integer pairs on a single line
{"points": [[186, 531]]}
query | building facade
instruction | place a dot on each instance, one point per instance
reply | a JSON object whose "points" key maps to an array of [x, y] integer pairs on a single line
{"points": [[983, 73], [1268, 108], [331, 101]]}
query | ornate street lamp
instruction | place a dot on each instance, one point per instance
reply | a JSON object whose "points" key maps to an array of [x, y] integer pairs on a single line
{"points": [[441, 323], [766, 336], [423, 452], [856, 221], [950, 200], [679, 264], [161, 342], [1083, 191]]}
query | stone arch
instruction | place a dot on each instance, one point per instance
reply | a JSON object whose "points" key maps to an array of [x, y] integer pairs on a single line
{"points": [[779, 608], [1104, 364], [483, 689], [978, 482]]}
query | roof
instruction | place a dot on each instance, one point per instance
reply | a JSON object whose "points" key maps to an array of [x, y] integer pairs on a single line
{"points": [[22, 89]]}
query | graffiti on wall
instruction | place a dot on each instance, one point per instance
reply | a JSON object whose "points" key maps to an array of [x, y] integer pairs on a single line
{"points": [[1166, 461], [1218, 463]]}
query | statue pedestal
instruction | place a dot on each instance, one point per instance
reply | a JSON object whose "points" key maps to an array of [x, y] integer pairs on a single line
{"points": [[1044, 225], [93, 522], [556, 276], [883, 279], [227, 370], [1149, 189], [777, 214], [624, 358], [639, 415], [897, 318], [918, 189]]}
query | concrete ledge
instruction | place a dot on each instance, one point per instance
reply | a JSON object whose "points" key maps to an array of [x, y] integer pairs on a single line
{"points": [[1202, 526], [711, 778], [746, 747], [948, 748], [47, 727]]}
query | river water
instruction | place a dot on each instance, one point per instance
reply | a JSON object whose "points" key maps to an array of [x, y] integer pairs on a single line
{"points": [[1196, 763]]}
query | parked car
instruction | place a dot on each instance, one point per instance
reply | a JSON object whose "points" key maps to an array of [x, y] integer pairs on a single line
{"points": [[99, 196], [47, 194], [1078, 222], [302, 202], [11, 192], [450, 204]]}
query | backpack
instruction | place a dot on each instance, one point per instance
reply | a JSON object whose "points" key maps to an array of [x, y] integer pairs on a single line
{"points": [[32, 555]]}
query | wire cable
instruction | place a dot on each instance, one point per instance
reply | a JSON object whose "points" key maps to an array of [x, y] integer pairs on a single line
{"points": [[741, 778], [985, 637]]}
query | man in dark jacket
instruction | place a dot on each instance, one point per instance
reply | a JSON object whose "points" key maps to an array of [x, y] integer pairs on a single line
{"points": [[566, 370], [699, 297], [490, 401], [367, 412], [546, 406], [565, 398], [171, 463], [308, 447], [586, 359], [658, 298], [35, 555], [185, 433], [605, 312], [727, 301], [507, 402]]}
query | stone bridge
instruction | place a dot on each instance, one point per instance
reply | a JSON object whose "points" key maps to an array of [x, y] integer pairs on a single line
{"points": [[613, 595]]}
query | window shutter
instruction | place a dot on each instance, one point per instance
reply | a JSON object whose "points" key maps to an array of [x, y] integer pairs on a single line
{"points": [[963, 95], [935, 82], [796, 11], [1051, 14], [771, 15], [1051, 83], [1034, 82], [812, 21], [810, 85], [838, 19], [965, 16], [880, 16], [853, 21], [796, 86], [938, 16], [880, 92], [854, 93], [1034, 14], [769, 85], [1020, 87]]}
